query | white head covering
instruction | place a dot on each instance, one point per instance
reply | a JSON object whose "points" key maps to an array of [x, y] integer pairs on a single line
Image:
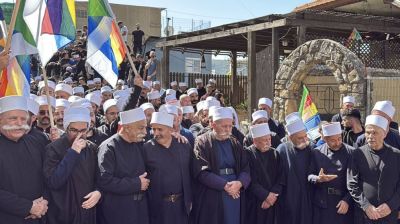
{"points": [[169, 98], [265, 101], [78, 89], [109, 103], [105, 89], [331, 129], [292, 116], [95, 80], [222, 113], [32, 96], [42, 100], [163, 119], [121, 93], [200, 105], [183, 84], [259, 114], [349, 99], [378, 121], [174, 83], [211, 110], [9, 103], [50, 83], [198, 81], [82, 102], [259, 130], [294, 126], [212, 81], [385, 107], [156, 83], [90, 82], [131, 116], [121, 102], [120, 81], [68, 80], [170, 109], [76, 114], [147, 84], [153, 95], [73, 98], [211, 103], [62, 103], [94, 98], [146, 106], [64, 87], [209, 98], [33, 107], [191, 91], [187, 110]]}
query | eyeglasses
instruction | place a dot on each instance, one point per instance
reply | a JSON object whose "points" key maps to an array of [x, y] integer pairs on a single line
{"points": [[43, 112], [76, 131]]}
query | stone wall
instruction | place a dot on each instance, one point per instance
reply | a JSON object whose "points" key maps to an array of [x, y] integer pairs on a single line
{"points": [[347, 68]]}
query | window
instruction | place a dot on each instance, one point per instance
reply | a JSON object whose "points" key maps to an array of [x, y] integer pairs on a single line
{"points": [[193, 65]]}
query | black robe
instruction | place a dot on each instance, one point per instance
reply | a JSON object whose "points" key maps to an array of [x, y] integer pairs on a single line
{"points": [[350, 138], [98, 137], [207, 203], [294, 204], [374, 179], [169, 171], [325, 198], [266, 177], [275, 140], [70, 177], [21, 178], [120, 164]]}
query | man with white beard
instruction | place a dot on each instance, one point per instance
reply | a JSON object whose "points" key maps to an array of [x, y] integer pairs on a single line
{"points": [[295, 202]]}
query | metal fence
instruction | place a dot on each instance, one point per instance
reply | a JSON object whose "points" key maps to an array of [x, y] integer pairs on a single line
{"points": [[224, 84]]}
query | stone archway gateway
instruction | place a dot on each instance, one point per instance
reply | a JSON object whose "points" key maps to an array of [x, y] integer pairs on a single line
{"points": [[347, 68]]}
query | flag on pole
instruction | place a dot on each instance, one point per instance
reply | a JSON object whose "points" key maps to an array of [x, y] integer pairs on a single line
{"points": [[52, 24], [15, 79], [3, 30], [354, 36], [309, 114], [105, 46]]}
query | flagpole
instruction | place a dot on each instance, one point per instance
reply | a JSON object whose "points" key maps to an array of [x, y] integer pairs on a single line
{"points": [[12, 25], [46, 86]]}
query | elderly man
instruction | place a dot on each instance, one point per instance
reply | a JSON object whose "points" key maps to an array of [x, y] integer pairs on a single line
{"points": [[347, 103], [386, 110], [202, 116], [21, 185], [148, 111], [70, 169], [222, 172], [276, 127], [373, 180], [261, 117], [266, 179], [63, 91], [327, 172], [33, 110], [157, 86], [123, 179], [295, 200], [168, 164]]}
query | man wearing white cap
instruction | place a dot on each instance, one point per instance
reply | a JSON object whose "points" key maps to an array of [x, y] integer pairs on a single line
{"points": [[61, 105], [154, 98], [261, 117], [265, 103], [106, 93], [202, 117], [347, 103], [22, 187], [168, 164], [373, 179], [157, 86], [328, 172], [70, 169], [266, 179], [120, 83], [111, 111], [174, 85], [78, 91], [63, 91], [223, 173], [187, 116], [178, 128], [386, 110], [194, 96], [123, 178], [200, 88], [183, 86], [33, 111], [43, 119], [97, 83], [148, 109], [185, 100], [42, 89], [295, 200]]}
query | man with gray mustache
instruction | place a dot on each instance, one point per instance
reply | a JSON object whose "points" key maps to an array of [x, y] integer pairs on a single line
{"points": [[21, 187]]}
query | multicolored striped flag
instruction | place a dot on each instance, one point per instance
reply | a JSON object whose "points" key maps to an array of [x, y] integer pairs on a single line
{"points": [[309, 114], [105, 46], [3, 30], [354, 37], [52, 24], [15, 79]]}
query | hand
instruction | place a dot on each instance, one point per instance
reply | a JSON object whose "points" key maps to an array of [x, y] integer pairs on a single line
{"points": [[372, 213], [342, 207], [78, 143], [265, 204], [234, 188], [138, 81], [144, 181], [228, 188], [322, 177], [384, 210], [92, 199], [271, 199], [39, 208], [181, 138], [4, 59], [54, 134]]}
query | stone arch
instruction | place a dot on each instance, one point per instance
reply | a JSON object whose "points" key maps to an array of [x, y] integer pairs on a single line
{"points": [[347, 68]]}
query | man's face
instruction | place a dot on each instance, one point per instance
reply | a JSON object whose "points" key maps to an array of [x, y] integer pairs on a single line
{"points": [[156, 102], [162, 133], [136, 131], [119, 86], [194, 98], [43, 116], [262, 120], [75, 128], [43, 92], [334, 142], [347, 121], [59, 116], [348, 106], [157, 87], [374, 136], [106, 96], [263, 143], [185, 101], [82, 82], [62, 95], [14, 124], [97, 85], [266, 108], [199, 85], [148, 112], [111, 114], [204, 117], [92, 118], [300, 140], [223, 128], [174, 87]]}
